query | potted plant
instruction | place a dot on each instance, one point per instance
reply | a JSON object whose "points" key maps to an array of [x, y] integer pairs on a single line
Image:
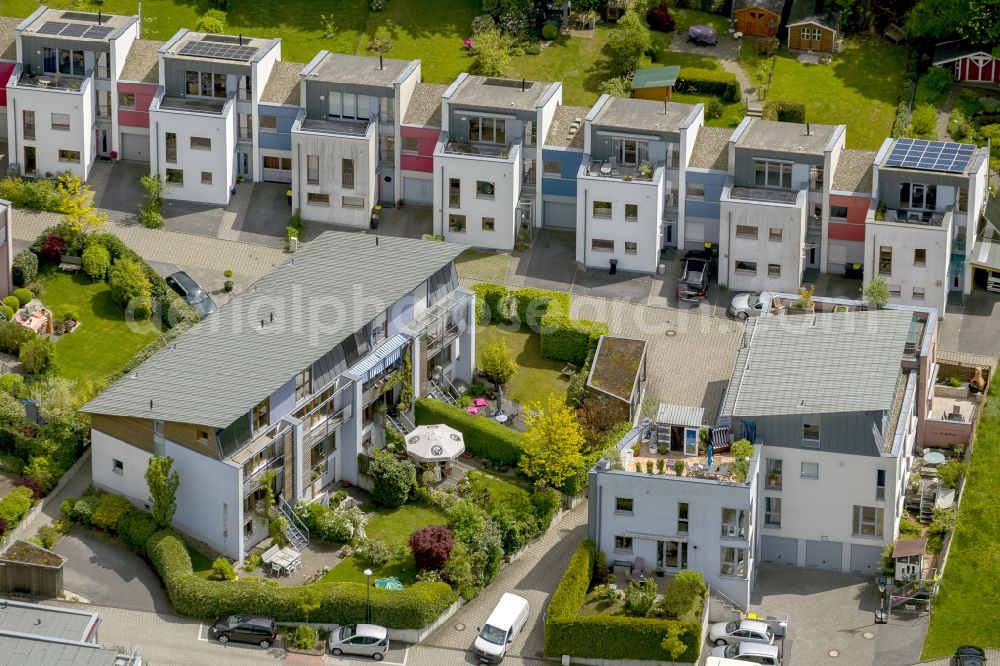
{"points": [[646, 170], [660, 571], [400, 203], [113, 154], [804, 304], [228, 284]]}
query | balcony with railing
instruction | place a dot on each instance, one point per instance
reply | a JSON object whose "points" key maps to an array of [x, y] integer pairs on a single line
{"points": [[244, 95], [25, 77], [244, 133], [214, 106], [463, 148], [347, 127], [102, 72], [917, 217], [443, 322], [103, 111], [612, 170]]}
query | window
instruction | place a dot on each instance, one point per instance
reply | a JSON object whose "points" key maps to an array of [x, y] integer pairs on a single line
{"points": [[352, 202], [380, 327], [69, 155], [117, 466], [159, 442], [773, 479], [303, 384], [62, 61], [810, 435], [772, 511], [602, 245], [60, 121], [920, 257], [631, 151], [631, 248], [126, 100], [895, 291], [347, 174], [454, 193], [963, 200], [268, 123], [734, 562], [489, 224], [29, 124], [552, 168], [279, 163], [809, 470], [838, 212], [774, 270], [918, 293], [816, 177], [631, 212], [485, 190], [696, 191], [410, 144], [623, 544], [867, 521], [880, 485], [734, 523], [884, 260], [602, 209], [170, 147], [201, 436], [746, 231], [205, 84], [917, 195], [775, 234], [682, 517], [746, 267], [349, 105], [487, 130], [623, 505], [317, 199], [456, 223], [175, 176], [312, 169], [261, 418], [387, 110], [201, 143], [387, 148], [773, 174], [206, 177]]}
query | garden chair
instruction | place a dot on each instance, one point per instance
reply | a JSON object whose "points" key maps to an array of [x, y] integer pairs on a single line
{"points": [[473, 410], [276, 569]]}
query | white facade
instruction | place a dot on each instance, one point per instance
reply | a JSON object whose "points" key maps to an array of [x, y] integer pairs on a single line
{"points": [[913, 259]]}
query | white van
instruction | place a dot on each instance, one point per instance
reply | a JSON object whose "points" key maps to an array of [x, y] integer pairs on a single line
{"points": [[503, 625]]}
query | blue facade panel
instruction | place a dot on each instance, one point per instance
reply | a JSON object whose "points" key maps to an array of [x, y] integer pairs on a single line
{"points": [[570, 161], [282, 138], [709, 207], [282, 401]]}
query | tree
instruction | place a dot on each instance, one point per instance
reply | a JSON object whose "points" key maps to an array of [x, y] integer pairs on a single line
{"points": [[162, 483], [267, 484], [513, 16], [128, 281], [151, 212], [496, 360], [491, 52], [619, 86], [54, 396], [380, 45], [76, 203], [96, 261], [876, 292], [392, 479], [36, 355], [683, 591], [552, 444], [431, 546], [982, 23], [627, 43]]}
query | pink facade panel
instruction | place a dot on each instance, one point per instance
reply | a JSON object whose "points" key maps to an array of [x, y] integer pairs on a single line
{"points": [[5, 69], [423, 159], [857, 207], [848, 232], [139, 116]]}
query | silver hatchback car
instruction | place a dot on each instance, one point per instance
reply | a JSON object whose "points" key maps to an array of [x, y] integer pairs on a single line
{"points": [[367, 640]]}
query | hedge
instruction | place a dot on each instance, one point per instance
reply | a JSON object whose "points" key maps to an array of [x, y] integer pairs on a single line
{"points": [[484, 438], [784, 111], [606, 636], [709, 82], [414, 607], [571, 340]]}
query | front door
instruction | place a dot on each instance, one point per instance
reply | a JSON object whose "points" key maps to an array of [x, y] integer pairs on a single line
{"points": [[102, 143], [29, 160], [671, 555], [243, 164]]}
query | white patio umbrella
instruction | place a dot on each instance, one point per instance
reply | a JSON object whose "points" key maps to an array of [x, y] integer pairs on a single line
{"points": [[435, 443]]}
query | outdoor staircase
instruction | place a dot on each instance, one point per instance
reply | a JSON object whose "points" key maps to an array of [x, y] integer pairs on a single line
{"points": [[401, 422], [441, 389], [922, 502], [296, 533]]}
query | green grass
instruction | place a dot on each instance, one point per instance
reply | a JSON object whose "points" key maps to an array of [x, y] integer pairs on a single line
{"points": [[200, 562], [501, 492], [393, 526], [483, 266], [536, 377], [970, 588], [849, 90], [104, 342]]}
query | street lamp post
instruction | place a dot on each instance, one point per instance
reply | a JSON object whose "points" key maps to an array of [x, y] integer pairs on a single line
{"points": [[882, 614], [368, 587]]}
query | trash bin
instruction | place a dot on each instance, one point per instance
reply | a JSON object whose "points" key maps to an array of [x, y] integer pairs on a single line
{"points": [[614, 267], [288, 194], [376, 216]]}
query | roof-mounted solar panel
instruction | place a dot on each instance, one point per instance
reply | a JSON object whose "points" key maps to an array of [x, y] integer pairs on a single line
{"points": [[51, 28]]}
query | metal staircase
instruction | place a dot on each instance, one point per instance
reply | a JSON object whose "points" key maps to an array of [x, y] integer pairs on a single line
{"points": [[296, 533], [401, 422], [921, 502]]}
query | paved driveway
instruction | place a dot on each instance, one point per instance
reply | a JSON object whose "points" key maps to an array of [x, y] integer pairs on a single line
{"points": [[107, 573], [972, 327], [117, 186]]}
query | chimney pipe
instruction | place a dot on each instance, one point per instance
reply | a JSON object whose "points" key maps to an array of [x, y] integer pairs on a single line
{"points": [[272, 316], [262, 323], [380, 61], [808, 130], [376, 241], [523, 82], [241, 39], [99, 17], [150, 405]]}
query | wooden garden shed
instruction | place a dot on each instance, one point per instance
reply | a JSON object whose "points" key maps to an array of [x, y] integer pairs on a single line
{"points": [[758, 18], [656, 83], [814, 25], [968, 62], [618, 371]]}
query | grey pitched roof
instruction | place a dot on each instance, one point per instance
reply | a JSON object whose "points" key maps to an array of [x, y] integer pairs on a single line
{"points": [[818, 364], [142, 62], [946, 52], [283, 84], [424, 109], [711, 148], [228, 363], [8, 37], [854, 171], [566, 130], [18, 651], [821, 12]]}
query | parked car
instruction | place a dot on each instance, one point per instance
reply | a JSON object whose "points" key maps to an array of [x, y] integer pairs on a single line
{"points": [[192, 293], [737, 631], [694, 281], [502, 626], [969, 655], [746, 305], [707, 254], [367, 640], [754, 653], [245, 629]]}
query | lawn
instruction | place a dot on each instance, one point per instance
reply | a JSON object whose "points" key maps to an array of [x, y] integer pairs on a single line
{"points": [[200, 562], [859, 88], [536, 377], [393, 526], [501, 492], [483, 266], [971, 583], [104, 342]]}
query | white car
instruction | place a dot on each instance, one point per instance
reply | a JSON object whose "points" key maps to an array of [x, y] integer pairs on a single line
{"points": [[753, 631], [755, 653], [746, 305]]}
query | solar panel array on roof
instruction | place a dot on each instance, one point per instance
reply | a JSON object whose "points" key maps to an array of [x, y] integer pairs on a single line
{"points": [[218, 50], [51, 28], [74, 30], [931, 155], [99, 32]]}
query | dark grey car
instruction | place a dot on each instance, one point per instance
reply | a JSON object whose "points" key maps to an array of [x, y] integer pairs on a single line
{"points": [[192, 293]]}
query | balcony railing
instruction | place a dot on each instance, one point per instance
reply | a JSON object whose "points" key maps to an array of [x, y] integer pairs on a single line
{"points": [[613, 170], [499, 151], [102, 72], [29, 131], [244, 133], [252, 476], [244, 95], [103, 110], [323, 429], [51, 81], [380, 385]]}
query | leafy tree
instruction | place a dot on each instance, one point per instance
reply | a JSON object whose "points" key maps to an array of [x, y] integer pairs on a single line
{"points": [[380, 45], [96, 261], [162, 483], [431, 546], [513, 16], [627, 43], [876, 292], [458, 571], [496, 360], [128, 281], [151, 213], [54, 246], [36, 355], [76, 203], [982, 23], [552, 444], [392, 479], [683, 591], [55, 398], [619, 86], [491, 52]]}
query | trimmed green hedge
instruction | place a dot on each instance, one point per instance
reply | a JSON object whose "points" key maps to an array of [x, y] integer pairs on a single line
{"points": [[571, 340], [414, 607], [606, 636], [484, 438], [709, 82], [783, 111]]}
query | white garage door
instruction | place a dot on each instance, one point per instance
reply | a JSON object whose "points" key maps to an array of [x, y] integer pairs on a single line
{"points": [[865, 559], [418, 192], [560, 214], [779, 550], [276, 168], [135, 147], [824, 555]]}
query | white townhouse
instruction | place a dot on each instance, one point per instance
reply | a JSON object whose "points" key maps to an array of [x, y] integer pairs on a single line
{"points": [[288, 376]]}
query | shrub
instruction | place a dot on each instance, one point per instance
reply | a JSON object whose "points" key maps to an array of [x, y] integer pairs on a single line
{"points": [[36, 355], [210, 24], [933, 86], [484, 438], [375, 552], [31, 484], [923, 122], [950, 473], [618, 86], [683, 594], [24, 268], [16, 504], [11, 409], [84, 508], [482, 24], [786, 112], [49, 534], [549, 32], [96, 261], [305, 637], [431, 546], [37, 194], [908, 527], [742, 448], [628, 41], [602, 574], [516, 528], [714, 109], [339, 525], [110, 509], [12, 302], [545, 504], [12, 336], [23, 296], [659, 18], [392, 479], [134, 528], [709, 82], [128, 281], [640, 597], [458, 571], [222, 569], [53, 247], [491, 52]]}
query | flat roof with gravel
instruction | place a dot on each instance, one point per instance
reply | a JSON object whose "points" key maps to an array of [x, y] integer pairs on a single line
{"points": [[362, 70], [142, 62], [854, 171], [566, 130], [8, 37], [711, 149], [776, 136], [493, 93], [284, 84], [643, 114], [424, 109]]}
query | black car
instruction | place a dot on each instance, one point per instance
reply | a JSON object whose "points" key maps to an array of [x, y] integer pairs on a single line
{"points": [[192, 293], [705, 255], [245, 629], [969, 655], [694, 280]]}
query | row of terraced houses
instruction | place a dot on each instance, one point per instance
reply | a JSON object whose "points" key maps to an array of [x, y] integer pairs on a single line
{"points": [[494, 159]]}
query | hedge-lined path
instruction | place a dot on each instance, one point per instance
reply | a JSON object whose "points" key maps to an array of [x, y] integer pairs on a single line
{"points": [[534, 576]]}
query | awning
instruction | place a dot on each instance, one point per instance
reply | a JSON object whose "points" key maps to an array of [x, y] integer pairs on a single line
{"points": [[680, 415], [382, 357], [986, 250]]}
